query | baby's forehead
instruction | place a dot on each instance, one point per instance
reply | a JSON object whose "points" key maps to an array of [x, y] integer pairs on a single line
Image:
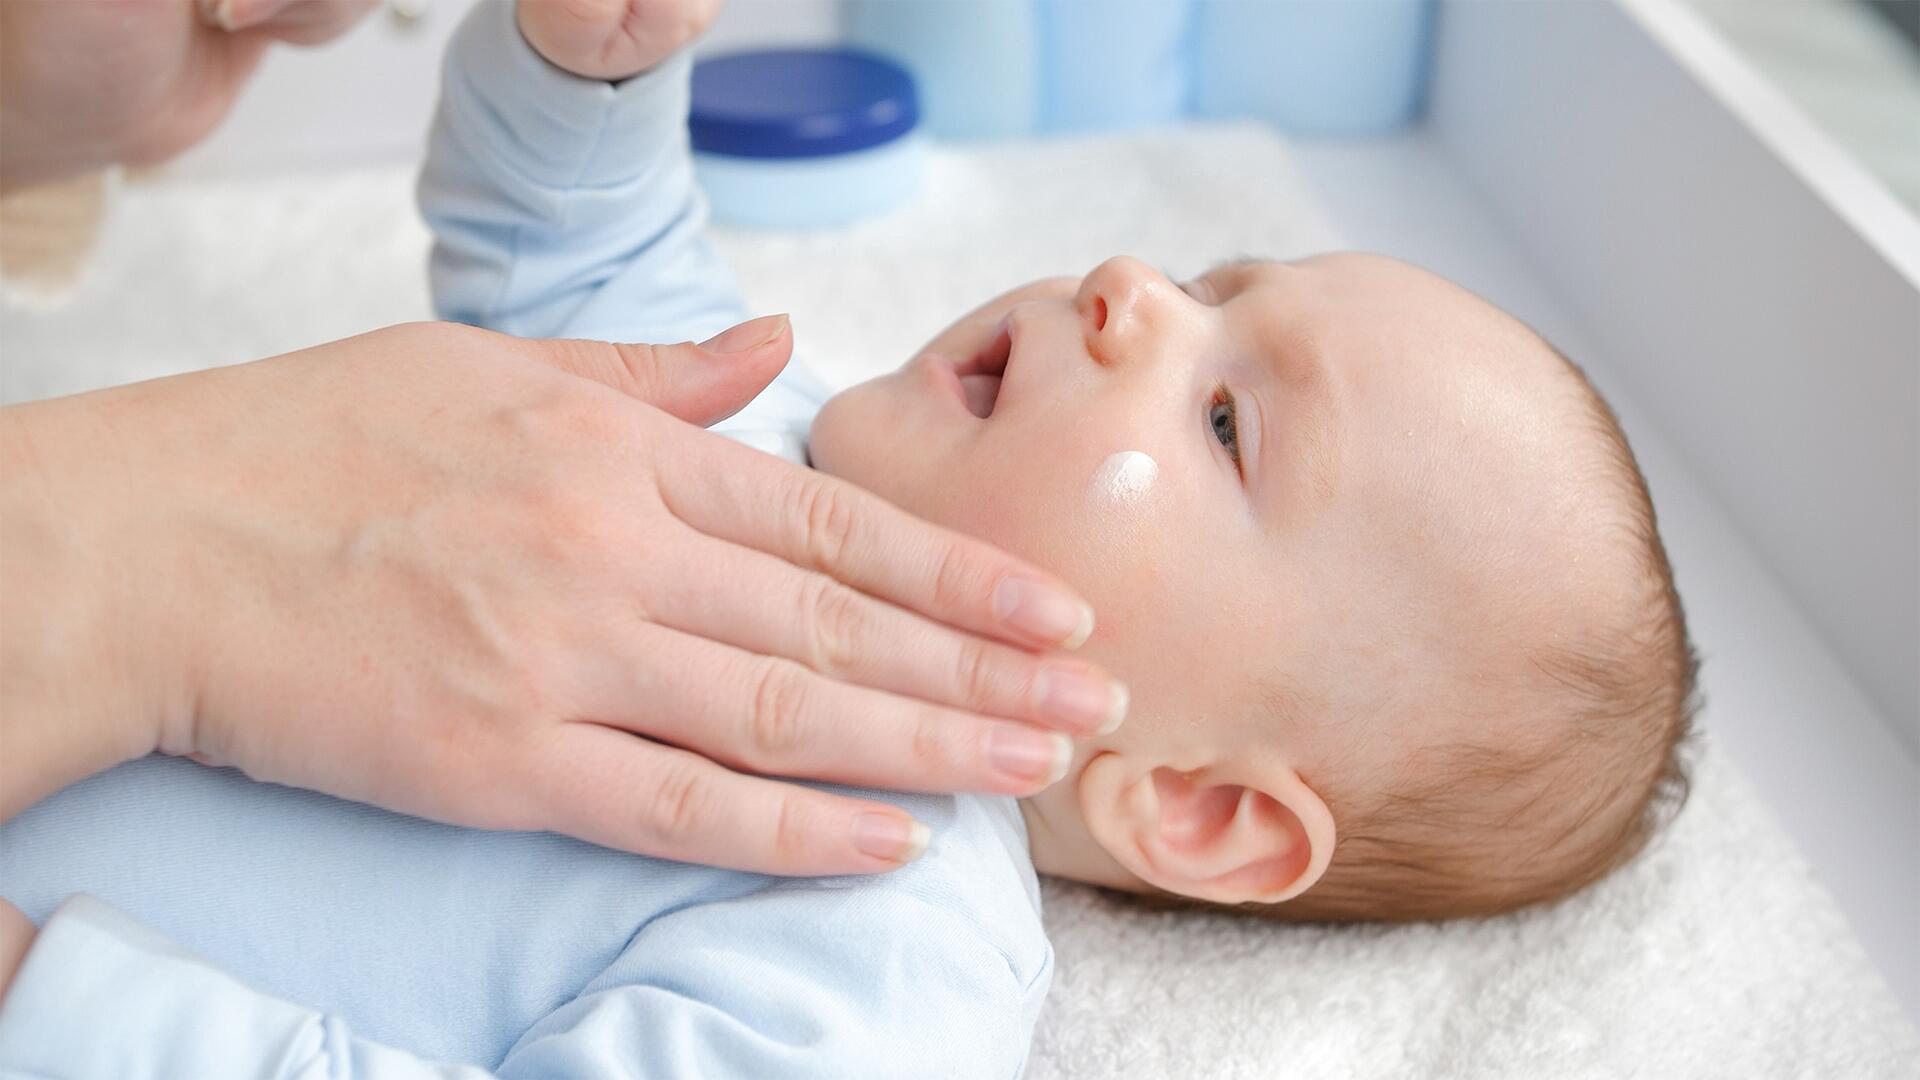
{"points": [[1435, 319], [1370, 274]]}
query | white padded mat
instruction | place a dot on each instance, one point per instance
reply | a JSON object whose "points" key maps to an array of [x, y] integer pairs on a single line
{"points": [[1716, 954]]}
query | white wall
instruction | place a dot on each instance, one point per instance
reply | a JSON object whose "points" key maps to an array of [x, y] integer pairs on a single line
{"points": [[1759, 290]]}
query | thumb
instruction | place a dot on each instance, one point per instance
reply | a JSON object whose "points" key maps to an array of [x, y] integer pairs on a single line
{"points": [[701, 384]]}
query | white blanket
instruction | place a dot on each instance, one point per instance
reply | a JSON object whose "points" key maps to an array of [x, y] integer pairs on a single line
{"points": [[1716, 954]]}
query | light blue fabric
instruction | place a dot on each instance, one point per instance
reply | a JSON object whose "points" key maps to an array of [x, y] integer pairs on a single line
{"points": [[244, 929], [812, 192], [527, 953]]}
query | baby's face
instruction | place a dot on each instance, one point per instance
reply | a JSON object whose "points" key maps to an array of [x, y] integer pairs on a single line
{"points": [[1342, 450]]}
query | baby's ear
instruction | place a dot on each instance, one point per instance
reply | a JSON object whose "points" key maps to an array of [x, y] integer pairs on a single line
{"points": [[1262, 835]]}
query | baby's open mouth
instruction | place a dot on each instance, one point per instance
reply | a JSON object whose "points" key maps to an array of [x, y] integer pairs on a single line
{"points": [[981, 374]]}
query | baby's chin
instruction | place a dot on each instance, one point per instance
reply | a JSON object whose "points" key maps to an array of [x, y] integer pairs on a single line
{"points": [[847, 442]]}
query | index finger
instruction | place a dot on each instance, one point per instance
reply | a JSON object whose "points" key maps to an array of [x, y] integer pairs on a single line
{"points": [[822, 523]]}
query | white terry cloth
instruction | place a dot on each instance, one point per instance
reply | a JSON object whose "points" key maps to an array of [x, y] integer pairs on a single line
{"points": [[1716, 954]]}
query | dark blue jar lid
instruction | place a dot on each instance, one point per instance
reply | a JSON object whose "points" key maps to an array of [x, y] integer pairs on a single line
{"points": [[784, 103]]}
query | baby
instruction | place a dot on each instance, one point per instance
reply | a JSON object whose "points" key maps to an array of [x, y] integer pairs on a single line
{"points": [[1374, 560]]}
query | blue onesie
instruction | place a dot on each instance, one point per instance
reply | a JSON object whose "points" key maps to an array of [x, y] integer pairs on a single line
{"points": [[231, 928]]}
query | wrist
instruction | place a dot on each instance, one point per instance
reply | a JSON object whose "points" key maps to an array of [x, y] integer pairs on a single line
{"points": [[76, 692]]}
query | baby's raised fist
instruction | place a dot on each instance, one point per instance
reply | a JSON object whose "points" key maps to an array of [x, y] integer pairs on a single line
{"points": [[612, 39]]}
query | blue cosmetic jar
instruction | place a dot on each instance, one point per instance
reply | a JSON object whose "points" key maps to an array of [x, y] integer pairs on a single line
{"points": [[794, 138]]}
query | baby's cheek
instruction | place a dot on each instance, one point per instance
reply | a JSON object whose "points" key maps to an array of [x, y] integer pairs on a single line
{"points": [[842, 439], [1117, 552], [858, 437]]}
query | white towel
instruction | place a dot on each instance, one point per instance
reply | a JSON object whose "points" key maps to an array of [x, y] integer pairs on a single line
{"points": [[1716, 954]]}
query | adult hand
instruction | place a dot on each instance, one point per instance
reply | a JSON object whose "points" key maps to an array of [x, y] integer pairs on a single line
{"points": [[89, 83], [478, 579]]}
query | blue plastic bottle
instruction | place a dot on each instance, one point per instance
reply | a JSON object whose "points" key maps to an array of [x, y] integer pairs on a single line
{"points": [[1312, 67], [975, 61], [1112, 63], [792, 138]]}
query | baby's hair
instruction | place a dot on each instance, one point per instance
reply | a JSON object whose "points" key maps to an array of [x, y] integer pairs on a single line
{"points": [[1476, 829]]}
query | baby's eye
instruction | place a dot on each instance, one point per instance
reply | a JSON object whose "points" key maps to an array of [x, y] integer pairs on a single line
{"points": [[1225, 421]]}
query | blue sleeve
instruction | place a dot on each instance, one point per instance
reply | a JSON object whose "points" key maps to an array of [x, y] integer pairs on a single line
{"points": [[801, 981], [563, 206], [566, 206], [788, 982], [101, 995]]}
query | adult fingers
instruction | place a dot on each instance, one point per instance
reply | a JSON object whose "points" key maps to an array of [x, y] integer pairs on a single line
{"points": [[769, 606], [621, 791], [771, 716], [821, 523], [701, 384]]}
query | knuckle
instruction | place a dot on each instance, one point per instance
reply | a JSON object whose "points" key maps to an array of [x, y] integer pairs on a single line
{"points": [[506, 788], [774, 727], [576, 355], [561, 419], [792, 836], [677, 808], [958, 582], [931, 745], [978, 673], [840, 627], [827, 518], [639, 365]]}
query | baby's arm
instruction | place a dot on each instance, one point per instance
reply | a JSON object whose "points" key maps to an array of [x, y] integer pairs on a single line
{"points": [[101, 995], [565, 205], [786, 982], [800, 981]]}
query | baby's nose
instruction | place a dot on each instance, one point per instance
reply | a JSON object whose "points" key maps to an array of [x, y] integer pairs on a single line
{"points": [[1118, 301]]}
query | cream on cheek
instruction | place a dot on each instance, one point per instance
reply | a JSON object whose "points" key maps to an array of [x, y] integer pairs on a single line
{"points": [[1125, 478]]}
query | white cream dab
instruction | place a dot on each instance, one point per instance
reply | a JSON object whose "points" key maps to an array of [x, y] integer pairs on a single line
{"points": [[1125, 477]]}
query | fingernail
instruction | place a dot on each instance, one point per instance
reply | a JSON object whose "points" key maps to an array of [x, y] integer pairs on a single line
{"points": [[217, 13], [748, 336], [1117, 712], [894, 837], [1043, 612], [1027, 755], [1084, 701]]}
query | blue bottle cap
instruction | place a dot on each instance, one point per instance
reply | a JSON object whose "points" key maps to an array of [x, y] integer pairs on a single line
{"points": [[789, 103]]}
